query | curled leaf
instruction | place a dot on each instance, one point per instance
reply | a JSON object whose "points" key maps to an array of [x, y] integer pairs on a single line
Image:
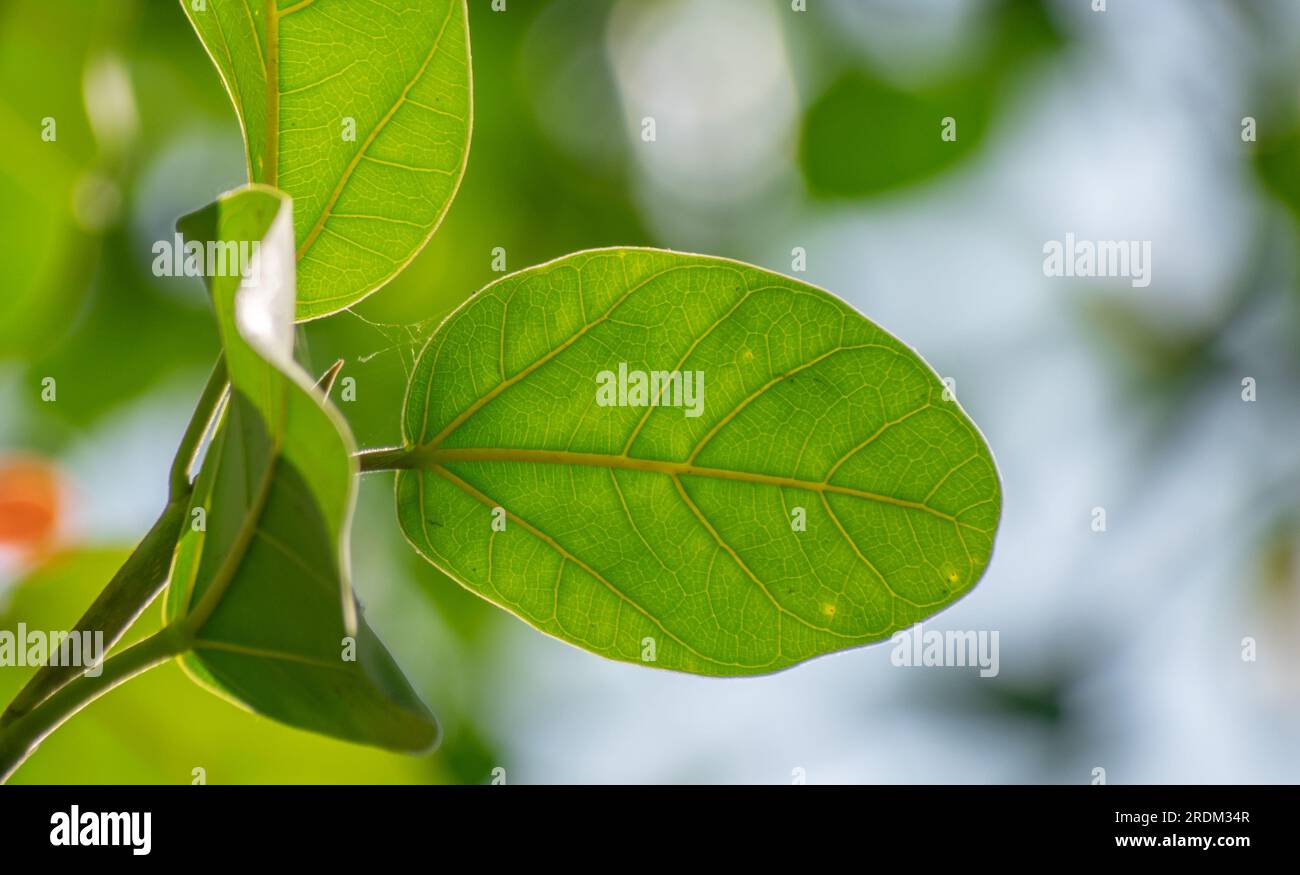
{"points": [[261, 578]]}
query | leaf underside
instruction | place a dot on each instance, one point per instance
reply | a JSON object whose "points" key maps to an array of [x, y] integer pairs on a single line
{"points": [[365, 123], [264, 583], [649, 536]]}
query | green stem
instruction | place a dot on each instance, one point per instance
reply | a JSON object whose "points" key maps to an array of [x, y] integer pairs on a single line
{"points": [[145, 571], [22, 736], [132, 588], [386, 459], [204, 413]]}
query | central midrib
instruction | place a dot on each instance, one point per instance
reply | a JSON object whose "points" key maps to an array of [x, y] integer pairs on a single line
{"points": [[271, 172], [430, 457]]}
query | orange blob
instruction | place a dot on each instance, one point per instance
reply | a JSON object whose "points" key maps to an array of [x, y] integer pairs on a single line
{"points": [[29, 503]]}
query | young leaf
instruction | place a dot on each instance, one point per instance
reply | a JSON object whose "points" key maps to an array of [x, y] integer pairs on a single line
{"points": [[358, 110], [828, 493], [261, 579]]}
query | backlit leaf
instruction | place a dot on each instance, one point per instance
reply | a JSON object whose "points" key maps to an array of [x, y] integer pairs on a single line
{"points": [[262, 585], [650, 534], [358, 110]]}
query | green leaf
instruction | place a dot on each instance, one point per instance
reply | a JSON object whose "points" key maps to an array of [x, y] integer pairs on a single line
{"points": [[108, 743], [361, 112], [641, 530], [868, 134], [865, 136], [263, 588]]}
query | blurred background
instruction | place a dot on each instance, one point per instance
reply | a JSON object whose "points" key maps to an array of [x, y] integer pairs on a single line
{"points": [[1165, 648]]}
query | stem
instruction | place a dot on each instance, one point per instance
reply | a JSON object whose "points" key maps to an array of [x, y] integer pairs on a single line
{"points": [[386, 459], [145, 571], [204, 413], [22, 736], [129, 592]]}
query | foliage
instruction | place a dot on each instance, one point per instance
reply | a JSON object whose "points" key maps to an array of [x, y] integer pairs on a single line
{"points": [[826, 491]]}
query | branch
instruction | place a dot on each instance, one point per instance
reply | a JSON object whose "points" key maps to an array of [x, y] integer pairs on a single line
{"points": [[205, 413], [145, 571], [23, 734]]}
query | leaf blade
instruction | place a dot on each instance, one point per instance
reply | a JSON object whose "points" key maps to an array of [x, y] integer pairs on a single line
{"points": [[264, 587], [685, 532], [370, 138]]}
